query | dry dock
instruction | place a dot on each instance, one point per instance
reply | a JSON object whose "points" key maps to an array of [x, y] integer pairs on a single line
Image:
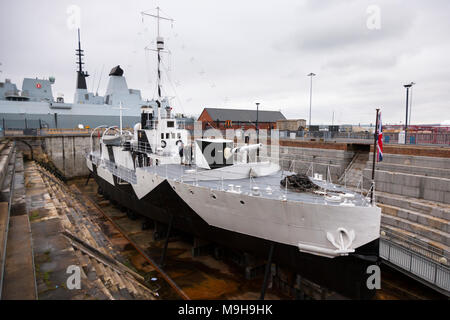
{"points": [[48, 225]]}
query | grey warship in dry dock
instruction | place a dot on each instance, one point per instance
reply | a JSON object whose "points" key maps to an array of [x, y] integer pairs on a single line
{"points": [[329, 235], [36, 103]]}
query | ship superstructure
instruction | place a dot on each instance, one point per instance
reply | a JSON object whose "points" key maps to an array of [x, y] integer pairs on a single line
{"points": [[36, 102]]}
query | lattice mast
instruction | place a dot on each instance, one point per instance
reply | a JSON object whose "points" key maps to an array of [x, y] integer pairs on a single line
{"points": [[81, 75]]}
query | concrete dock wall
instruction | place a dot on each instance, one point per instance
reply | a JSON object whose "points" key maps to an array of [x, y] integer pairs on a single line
{"points": [[65, 152], [419, 177], [299, 159]]}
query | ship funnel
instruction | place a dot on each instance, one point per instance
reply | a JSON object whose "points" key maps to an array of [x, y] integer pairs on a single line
{"points": [[116, 71]]}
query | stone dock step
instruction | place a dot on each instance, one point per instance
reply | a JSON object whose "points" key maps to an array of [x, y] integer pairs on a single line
{"points": [[412, 185], [425, 232], [417, 170], [433, 208], [103, 275], [4, 222], [19, 280], [19, 276], [426, 247], [423, 219]]}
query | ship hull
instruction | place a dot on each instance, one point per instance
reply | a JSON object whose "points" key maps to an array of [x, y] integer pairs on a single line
{"points": [[346, 275], [16, 121]]}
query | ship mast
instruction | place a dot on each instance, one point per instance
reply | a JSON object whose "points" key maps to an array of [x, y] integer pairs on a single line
{"points": [[121, 108], [81, 75], [159, 49]]}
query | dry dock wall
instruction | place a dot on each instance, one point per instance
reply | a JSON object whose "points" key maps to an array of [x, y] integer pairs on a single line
{"points": [[65, 152], [300, 160], [299, 156], [408, 175], [68, 154]]}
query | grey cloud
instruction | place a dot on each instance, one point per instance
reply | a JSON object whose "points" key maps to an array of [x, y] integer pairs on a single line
{"points": [[343, 26]]}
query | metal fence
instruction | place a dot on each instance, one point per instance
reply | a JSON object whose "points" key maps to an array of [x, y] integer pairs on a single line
{"points": [[417, 258], [439, 138], [328, 135], [432, 138]]}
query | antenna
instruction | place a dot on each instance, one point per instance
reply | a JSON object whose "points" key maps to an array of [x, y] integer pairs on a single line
{"points": [[93, 80], [100, 79]]}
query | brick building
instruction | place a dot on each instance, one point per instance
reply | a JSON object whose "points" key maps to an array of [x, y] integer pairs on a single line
{"points": [[220, 118], [291, 124]]}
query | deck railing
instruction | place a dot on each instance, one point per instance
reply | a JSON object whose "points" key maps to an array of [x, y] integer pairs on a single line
{"points": [[119, 171]]}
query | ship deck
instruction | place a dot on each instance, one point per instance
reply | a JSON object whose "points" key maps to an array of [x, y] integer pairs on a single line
{"points": [[277, 191]]}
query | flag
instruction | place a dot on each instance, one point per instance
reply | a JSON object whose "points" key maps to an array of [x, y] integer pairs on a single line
{"points": [[380, 139]]}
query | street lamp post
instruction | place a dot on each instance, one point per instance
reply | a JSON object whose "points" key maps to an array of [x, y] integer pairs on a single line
{"points": [[407, 86], [311, 75], [410, 102], [257, 111], [257, 127]]}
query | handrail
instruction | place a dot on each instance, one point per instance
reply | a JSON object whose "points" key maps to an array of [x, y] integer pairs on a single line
{"points": [[422, 246], [421, 267], [347, 169], [118, 170], [112, 127]]}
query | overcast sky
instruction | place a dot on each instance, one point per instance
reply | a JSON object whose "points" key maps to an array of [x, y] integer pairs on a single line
{"points": [[235, 53]]}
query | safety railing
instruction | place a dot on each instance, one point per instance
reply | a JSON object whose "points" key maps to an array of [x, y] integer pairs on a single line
{"points": [[417, 245], [432, 138], [140, 146], [418, 138], [417, 258], [178, 124], [343, 177], [119, 171]]}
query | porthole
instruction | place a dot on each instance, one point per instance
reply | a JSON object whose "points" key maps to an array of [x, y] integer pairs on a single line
{"points": [[242, 202]]}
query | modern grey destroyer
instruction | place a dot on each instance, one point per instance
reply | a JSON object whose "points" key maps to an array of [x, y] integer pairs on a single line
{"points": [[35, 106]]}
